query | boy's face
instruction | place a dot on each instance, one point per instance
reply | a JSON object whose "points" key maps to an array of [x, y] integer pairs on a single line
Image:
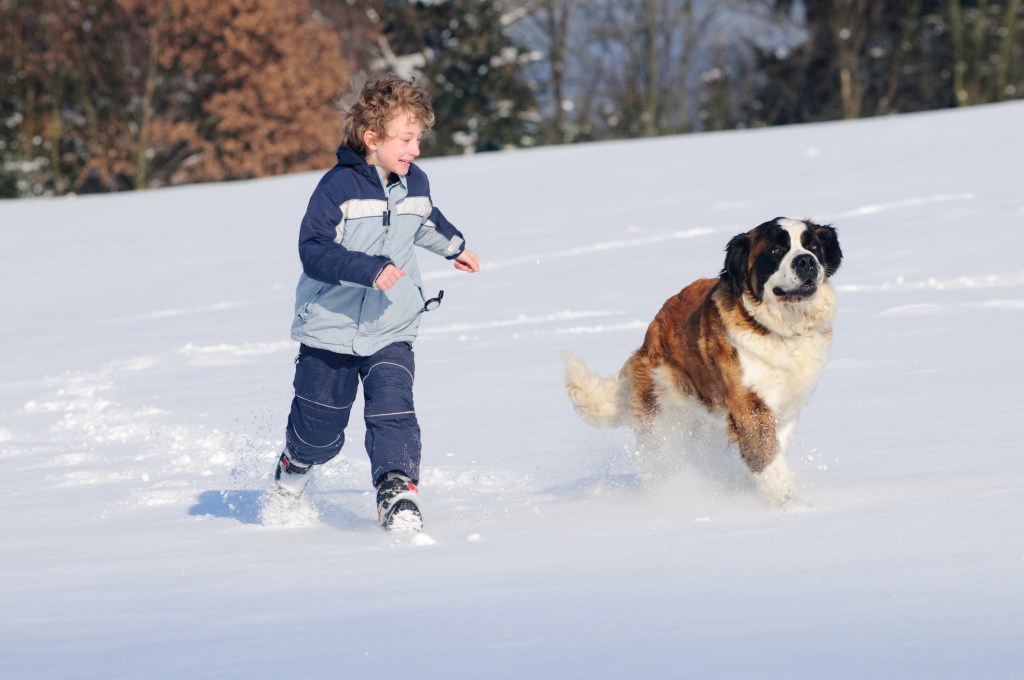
{"points": [[398, 148]]}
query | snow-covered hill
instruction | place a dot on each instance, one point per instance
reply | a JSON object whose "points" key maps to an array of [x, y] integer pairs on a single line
{"points": [[146, 376]]}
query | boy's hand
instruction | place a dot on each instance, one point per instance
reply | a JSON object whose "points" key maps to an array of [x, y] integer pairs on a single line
{"points": [[466, 261], [388, 277]]}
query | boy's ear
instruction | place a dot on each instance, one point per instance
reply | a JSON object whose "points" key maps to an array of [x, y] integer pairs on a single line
{"points": [[370, 140]]}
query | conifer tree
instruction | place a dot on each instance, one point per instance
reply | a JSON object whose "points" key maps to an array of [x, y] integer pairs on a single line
{"points": [[472, 69]]}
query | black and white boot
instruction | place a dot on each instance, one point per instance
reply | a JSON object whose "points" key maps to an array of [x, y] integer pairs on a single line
{"points": [[291, 476], [398, 504]]}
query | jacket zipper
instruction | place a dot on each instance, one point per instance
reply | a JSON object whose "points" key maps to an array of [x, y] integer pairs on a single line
{"points": [[387, 225]]}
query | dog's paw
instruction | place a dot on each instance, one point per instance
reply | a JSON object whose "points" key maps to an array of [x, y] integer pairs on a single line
{"points": [[790, 501], [777, 485]]}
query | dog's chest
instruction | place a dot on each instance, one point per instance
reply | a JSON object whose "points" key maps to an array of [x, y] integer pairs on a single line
{"points": [[782, 371]]}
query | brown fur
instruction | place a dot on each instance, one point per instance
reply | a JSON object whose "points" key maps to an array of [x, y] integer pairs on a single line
{"points": [[689, 337]]}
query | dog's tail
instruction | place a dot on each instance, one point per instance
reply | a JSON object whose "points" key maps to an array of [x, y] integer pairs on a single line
{"points": [[602, 402]]}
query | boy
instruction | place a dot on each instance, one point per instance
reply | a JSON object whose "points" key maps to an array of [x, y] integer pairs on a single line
{"points": [[359, 298]]}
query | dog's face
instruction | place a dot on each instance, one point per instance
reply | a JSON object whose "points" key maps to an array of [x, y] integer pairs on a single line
{"points": [[782, 260]]}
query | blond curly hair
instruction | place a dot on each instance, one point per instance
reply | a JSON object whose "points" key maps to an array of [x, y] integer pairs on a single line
{"points": [[376, 100]]}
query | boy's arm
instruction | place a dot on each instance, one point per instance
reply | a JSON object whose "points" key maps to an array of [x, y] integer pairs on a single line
{"points": [[324, 259], [440, 236]]}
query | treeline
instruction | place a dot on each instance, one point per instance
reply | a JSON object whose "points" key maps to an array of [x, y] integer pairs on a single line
{"points": [[106, 95], [110, 95]]}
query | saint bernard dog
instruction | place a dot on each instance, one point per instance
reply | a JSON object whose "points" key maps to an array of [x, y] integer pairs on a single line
{"points": [[733, 358]]}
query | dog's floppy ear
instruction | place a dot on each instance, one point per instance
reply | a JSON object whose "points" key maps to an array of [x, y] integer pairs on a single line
{"points": [[830, 247], [737, 253]]}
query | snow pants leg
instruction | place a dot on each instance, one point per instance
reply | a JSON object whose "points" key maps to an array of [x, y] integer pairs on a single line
{"points": [[392, 431], [326, 384], [325, 389]]}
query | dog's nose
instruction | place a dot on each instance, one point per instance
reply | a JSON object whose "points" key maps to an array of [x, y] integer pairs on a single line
{"points": [[805, 266]]}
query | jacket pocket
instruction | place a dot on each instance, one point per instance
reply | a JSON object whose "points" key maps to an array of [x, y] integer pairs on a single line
{"points": [[304, 309], [401, 309]]}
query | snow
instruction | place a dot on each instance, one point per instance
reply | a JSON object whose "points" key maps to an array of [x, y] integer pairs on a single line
{"points": [[147, 376]]}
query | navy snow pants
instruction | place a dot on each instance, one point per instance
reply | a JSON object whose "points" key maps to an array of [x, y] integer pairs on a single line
{"points": [[326, 384]]}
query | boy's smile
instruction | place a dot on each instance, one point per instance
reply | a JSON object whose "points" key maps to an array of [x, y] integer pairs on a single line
{"points": [[395, 152]]}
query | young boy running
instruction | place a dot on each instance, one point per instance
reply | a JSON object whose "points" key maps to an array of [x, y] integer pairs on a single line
{"points": [[359, 298]]}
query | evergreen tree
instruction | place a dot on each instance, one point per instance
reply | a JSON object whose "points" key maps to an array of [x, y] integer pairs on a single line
{"points": [[470, 66]]}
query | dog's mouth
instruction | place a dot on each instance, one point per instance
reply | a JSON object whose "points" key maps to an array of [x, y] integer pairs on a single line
{"points": [[802, 292]]}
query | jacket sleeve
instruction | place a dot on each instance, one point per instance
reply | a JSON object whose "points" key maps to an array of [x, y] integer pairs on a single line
{"points": [[324, 259], [436, 233], [440, 236]]}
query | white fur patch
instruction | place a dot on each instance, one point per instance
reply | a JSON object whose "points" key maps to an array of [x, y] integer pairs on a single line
{"points": [[785, 277], [783, 369]]}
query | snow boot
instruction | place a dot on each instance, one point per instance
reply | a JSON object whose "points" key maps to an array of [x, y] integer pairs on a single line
{"points": [[398, 507], [291, 477]]}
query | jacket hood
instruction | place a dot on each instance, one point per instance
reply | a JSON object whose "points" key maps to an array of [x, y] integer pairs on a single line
{"points": [[348, 157]]}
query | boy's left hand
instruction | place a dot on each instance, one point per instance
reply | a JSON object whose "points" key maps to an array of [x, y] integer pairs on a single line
{"points": [[467, 262]]}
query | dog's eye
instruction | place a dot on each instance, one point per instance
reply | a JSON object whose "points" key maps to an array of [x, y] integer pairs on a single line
{"points": [[815, 247], [778, 251]]}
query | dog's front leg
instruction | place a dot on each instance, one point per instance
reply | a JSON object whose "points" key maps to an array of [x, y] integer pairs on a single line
{"points": [[776, 482], [761, 445]]}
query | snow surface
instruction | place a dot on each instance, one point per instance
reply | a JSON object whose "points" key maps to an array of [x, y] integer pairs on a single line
{"points": [[147, 374]]}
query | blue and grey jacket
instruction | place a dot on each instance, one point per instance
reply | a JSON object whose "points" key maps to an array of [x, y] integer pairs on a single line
{"points": [[354, 226]]}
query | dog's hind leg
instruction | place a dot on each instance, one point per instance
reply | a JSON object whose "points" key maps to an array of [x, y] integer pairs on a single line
{"points": [[648, 447], [659, 447], [653, 459]]}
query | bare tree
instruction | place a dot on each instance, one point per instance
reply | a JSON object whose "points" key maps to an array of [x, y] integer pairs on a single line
{"points": [[985, 45], [649, 50], [850, 25], [106, 95], [868, 58], [545, 27]]}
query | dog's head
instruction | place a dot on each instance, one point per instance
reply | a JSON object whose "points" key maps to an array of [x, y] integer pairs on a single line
{"points": [[784, 260]]}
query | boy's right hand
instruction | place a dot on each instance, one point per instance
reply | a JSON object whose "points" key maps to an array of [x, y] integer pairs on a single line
{"points": [[388, 277], [467, 262]]}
